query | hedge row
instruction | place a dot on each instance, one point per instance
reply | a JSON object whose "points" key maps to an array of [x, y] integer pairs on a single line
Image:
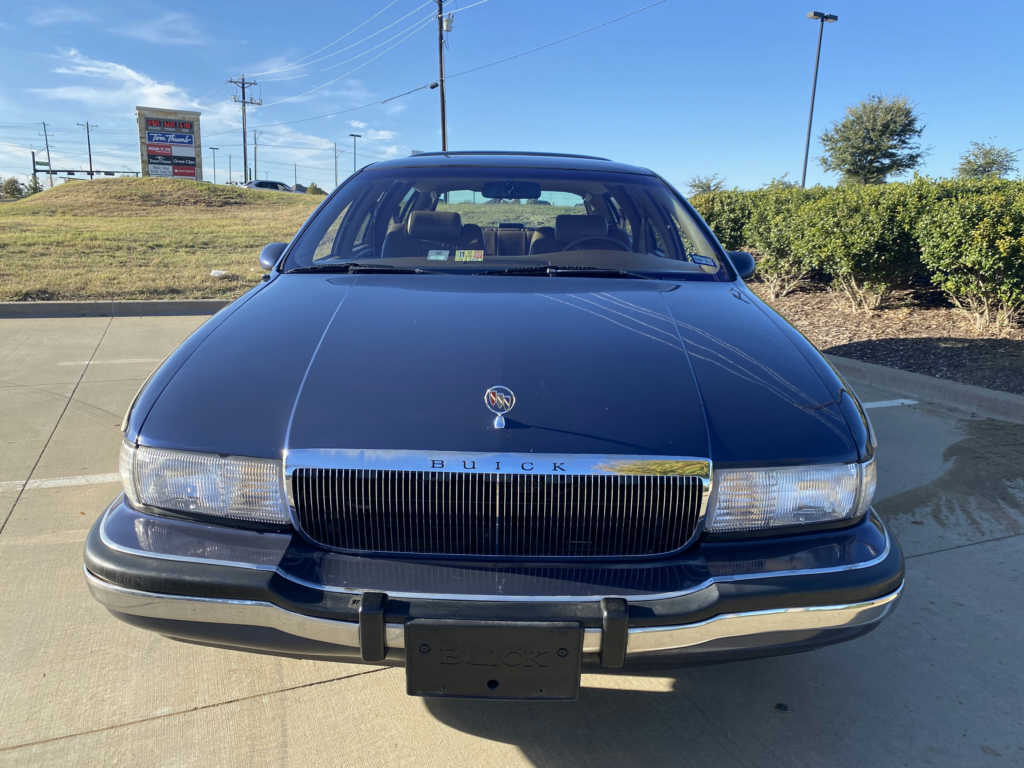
{"points": [[966, 237]]}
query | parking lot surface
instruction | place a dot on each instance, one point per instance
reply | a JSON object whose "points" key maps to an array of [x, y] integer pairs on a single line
{"points": [[941, 682]]}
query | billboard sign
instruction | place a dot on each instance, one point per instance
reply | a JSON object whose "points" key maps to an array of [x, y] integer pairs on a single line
{"points": [[169, 143]]}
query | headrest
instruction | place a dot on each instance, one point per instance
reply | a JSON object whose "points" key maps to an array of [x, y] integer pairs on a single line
{"points": [[569, 228], [439, 226]]}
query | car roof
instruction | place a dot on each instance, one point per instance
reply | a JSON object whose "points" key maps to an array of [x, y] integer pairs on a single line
{"points": [[495, 159]]}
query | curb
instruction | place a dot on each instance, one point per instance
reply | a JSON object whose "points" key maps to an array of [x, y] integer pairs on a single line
{"points": [[964, 398], [110, 308]]}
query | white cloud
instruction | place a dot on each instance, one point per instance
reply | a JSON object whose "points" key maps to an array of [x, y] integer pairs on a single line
{"points": [[110, 91], [173, 28], [121, 85], [59, 14]]}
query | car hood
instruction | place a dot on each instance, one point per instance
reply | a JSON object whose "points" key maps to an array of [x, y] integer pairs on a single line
{"points": [[607, 366]]}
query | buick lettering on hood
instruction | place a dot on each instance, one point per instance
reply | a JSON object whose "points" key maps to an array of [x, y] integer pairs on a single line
{"points": [[497, 418]]}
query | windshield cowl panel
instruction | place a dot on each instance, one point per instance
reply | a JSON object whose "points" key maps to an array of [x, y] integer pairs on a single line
{"points": [[508, 220]]}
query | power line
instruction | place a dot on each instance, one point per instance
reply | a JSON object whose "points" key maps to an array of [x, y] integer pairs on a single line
{"points": [[339, 111], [560, 40], [431, 85], [418, 27], [300, 64]]}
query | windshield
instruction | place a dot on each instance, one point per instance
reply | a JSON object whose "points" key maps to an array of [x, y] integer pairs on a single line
{"points": [[507, 221]]}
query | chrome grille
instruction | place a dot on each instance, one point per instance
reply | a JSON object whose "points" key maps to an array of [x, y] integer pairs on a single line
{"points": [[492, 514]]}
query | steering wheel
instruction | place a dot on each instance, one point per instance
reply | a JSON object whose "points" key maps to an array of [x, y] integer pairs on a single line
{"points": [[576, 244]]}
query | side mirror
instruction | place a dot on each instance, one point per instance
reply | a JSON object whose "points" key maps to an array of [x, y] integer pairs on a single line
{"points": [[742, 262], [270, 254]]}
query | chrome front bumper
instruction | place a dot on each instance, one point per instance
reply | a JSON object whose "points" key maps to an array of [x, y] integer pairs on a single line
{"points": [[751, 624], [272, 592]]}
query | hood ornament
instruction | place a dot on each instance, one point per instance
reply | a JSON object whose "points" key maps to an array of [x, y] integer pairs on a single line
{"points": [[499, 401]]}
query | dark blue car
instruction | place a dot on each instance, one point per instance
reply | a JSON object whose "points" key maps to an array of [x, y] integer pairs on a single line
{"points": [[495, 440]]}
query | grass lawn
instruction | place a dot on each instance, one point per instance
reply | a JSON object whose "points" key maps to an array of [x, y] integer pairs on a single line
{"points": [[141, 239]]}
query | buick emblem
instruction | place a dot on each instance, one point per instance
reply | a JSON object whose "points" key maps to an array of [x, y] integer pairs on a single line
{"points": [[499, 401]]}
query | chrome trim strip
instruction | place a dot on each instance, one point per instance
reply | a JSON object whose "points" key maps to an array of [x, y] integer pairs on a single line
{"points": [[501, 598], [502, 463], [345, 633]]}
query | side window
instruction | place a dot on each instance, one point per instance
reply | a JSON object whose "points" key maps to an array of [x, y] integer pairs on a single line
{"points": [[362, 236], [404, 205], [619, 220], [655, 241], [325, 248]]}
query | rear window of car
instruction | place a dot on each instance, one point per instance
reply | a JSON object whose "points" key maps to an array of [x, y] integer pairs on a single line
{"points": [[467, 217]]}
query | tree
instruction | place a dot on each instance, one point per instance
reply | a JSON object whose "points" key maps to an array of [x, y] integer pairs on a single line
{"points": [[314, 189], [12, 188], [33, 185], [876, 139], [986, 161], [702, 185], [781, 182]]}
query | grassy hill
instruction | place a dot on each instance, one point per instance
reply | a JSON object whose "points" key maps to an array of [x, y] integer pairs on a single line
{"points": [[141, 239]]}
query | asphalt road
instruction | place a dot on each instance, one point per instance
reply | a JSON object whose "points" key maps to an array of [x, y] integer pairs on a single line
{"points": [[940, 683]]}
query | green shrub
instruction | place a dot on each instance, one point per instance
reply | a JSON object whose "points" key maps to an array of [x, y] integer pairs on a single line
{"points": [[771, 232], [862, 238], [727, 213], [973, 246]]}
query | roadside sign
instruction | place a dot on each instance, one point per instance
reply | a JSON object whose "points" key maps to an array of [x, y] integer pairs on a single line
{"points": [[169, 143]]}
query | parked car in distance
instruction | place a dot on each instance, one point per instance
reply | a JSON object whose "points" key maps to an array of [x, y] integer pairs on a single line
{"points": [[301, 189], [498, 443], [278, 186]]}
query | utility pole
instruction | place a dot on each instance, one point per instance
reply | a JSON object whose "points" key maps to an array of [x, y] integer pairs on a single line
{"points": [[335, 164], [46, 138], [441, 23], [821, 18], [243, 84], [214, 150], [354, 137], [231, 179], [255, 164], [295, 174], [88, 143]]}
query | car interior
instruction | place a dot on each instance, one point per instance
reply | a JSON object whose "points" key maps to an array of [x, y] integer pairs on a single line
{"points": [[462, 221]]}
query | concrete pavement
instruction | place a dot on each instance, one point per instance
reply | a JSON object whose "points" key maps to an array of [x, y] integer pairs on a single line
{"points": [[940, 683]]}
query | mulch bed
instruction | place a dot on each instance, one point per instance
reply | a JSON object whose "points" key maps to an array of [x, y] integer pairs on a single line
{"points": [[917, 331]]}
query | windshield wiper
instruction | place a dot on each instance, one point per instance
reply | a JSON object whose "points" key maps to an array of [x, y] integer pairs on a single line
{"points": [[555, 270], [354, 267]]}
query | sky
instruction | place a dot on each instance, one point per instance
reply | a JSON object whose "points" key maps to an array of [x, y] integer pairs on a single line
{"points": [[685, 87]]}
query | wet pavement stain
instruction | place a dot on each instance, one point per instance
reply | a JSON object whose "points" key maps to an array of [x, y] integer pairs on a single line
{"points": [[979, 496]]}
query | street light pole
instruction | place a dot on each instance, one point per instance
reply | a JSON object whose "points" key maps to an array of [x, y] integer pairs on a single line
{"points": [[821, 18], [214, 150], [354, 137]]}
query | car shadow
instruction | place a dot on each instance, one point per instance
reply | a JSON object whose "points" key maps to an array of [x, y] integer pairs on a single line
{"points": [[659, 717], [991, 363]]}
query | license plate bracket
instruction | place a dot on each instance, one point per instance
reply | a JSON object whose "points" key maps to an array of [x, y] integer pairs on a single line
{"points": [[493, 659]]}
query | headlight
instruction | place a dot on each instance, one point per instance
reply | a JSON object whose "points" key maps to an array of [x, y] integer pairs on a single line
{"points": [[754, 500], [233, 487]]}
